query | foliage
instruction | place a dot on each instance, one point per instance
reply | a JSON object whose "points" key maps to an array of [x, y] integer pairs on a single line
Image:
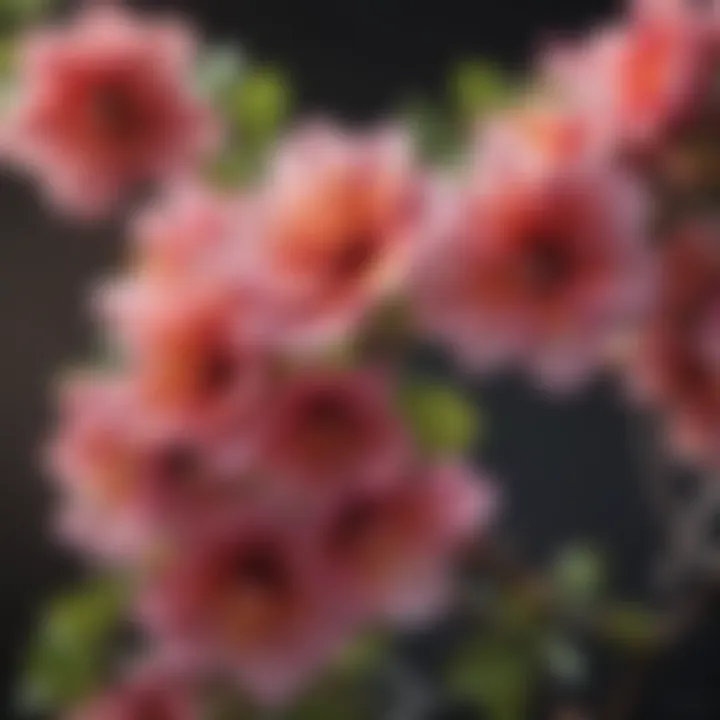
{"points": [[443, 421], [71, 651]]}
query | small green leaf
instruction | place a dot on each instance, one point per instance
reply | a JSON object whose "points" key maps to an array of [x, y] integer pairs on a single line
{"points": [[16, 13], [333, 698], [443, 421], [436, 133], [255, 107], [69, 654], [7, 57], [494, 675], [260, 104], [479, 86], [631, 626], [579, 574], [365, 653]]}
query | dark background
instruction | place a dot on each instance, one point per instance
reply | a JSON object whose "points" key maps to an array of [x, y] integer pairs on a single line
{"points": [[569, 467]]}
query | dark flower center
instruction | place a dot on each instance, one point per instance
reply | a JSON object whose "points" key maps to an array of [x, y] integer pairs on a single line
{"points": [[178, 463], [325, 410], [261, 569], [113, 111], [353, 524], [217, 372], [354, 256], [150, 705], [547, 265]]}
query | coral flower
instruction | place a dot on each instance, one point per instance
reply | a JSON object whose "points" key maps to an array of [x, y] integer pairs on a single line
{"points": [[246, 596], [147, 694], [535, 135], [105, 104], [534, 262], [182, 316], [334, 431], [644, 80], [340, 217], [393, 552], [190, 231], [127, 479], [186, 350], [679, 359]]}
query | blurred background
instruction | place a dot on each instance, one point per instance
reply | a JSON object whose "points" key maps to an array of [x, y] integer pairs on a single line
{"points": [[570, 468]]}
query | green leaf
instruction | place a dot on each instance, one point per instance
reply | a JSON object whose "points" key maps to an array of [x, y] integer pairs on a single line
{"points": [[435, 130], [335, 697], [365, 653], [443, 421], [495, 675], [254, 106], [7, 57], [261, 103], [70, 652], [579, 573], [630, 626], [479, 86], [16, 13]]}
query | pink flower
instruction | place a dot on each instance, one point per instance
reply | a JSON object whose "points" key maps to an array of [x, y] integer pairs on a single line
{"points": [[536, 135], [189, 356], [340, 216], [245, 596], [537, 261], [127, 478], [333, 431], [642, 81], [394, 551], [184, 318], [191, 231], [104, 104], [149, 694], [678, 364]]}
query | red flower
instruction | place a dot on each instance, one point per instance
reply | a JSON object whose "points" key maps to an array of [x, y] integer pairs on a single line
{"points": [[331, 432], [128, 477], [245, 595], [104, 104], [150, 693], [393, 551], [679, 359], [339, 218], [183, 317], [641, 81], [538, 261]]}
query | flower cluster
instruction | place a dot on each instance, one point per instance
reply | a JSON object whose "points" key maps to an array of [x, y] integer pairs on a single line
{"points": [[244, 456], [275, 503]]}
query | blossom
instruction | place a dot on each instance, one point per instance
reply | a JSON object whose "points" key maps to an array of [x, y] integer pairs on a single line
{"points": [[245, 596], [340, 214], [183, 316], [393, 551], [127, 478], [104, 104], [644, 80], [187, 352], [149, 692], [190, 231], [678, 362], [534, 263], [536, 135], [332, 431]]}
